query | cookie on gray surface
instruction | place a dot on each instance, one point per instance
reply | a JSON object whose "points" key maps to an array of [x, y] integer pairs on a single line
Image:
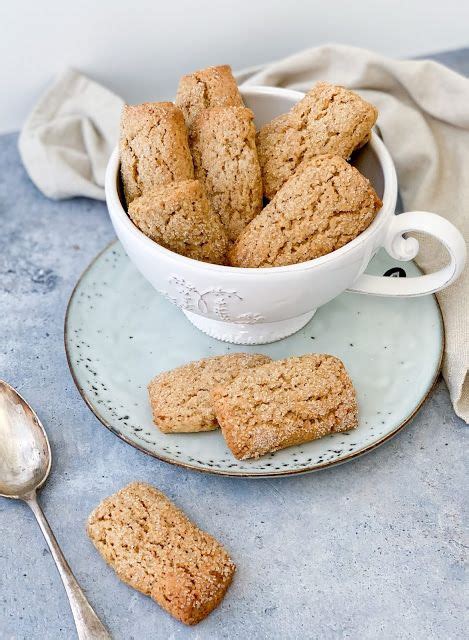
{"points": [[225, 158], [178, 216], [154, 148], [328, 120], [285, 402], [153, 547], [180, 399], [326, 204], [206, 88]]}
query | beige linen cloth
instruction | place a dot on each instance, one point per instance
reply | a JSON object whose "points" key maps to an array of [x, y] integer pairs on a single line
{"points": [[423, 119], [68, 137]]}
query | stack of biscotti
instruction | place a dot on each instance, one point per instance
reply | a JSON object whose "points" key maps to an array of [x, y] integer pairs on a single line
{"points": [[194, 173], [261, 405], [163, 199], [209, 135], [318, 202]]}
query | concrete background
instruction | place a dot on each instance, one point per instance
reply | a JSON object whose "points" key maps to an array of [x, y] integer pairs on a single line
{"points": [[371, 549], [139, 48]]}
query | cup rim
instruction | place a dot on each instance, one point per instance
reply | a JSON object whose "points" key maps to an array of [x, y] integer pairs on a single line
{"points": [[389, 201]]}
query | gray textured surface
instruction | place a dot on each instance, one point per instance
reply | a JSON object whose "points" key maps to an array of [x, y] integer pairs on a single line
{"points": [[371, 549]]}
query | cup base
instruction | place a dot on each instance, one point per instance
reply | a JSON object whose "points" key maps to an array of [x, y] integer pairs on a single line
{"points": [[258, 333]]}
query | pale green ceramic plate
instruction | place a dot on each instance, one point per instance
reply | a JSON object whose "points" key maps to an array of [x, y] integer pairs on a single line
{"points": [[119, 333]]}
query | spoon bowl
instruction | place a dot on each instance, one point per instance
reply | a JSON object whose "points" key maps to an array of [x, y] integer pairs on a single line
{"points": [[25, 455]]}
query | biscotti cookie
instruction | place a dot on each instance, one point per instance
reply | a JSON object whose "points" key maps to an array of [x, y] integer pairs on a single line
{"points": [[280, 149], [180, 399], [283, 403], [225, 159], [326, 204], [154, 148], [178, 216], [328, 120], [206, 88], [156, 549]]}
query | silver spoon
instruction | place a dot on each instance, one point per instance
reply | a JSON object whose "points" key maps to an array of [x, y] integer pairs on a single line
{"points": [[25, 460]]}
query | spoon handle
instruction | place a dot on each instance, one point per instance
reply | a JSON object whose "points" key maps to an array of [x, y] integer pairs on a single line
{"points": [[89, 626]]}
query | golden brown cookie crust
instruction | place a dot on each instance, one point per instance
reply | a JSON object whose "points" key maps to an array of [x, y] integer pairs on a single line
{"points": [[180, 399], [285, 402], [154, 148], [153, 547], [326, 204], [206, 88], [328, 120], [225, 160], [179, 217]]}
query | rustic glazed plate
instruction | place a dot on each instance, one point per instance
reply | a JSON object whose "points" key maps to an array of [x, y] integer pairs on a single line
{"points": [[119, 333]]}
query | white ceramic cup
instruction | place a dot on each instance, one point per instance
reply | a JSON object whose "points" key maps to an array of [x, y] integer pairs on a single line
{"points": [[255, 306]]}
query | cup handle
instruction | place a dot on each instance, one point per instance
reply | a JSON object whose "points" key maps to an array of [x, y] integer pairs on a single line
{"points": [[402, 248]]}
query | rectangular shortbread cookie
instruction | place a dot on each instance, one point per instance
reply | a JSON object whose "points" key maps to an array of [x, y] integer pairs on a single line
{"points": [[154, 148], [329, 119], [325, 205], [285, 402], [180, 399], [179, 216], [156, 549], [207, 88], [223, 146]]}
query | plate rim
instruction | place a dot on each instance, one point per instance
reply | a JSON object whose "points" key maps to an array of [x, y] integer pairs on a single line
{"points": [[247, 474]]}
